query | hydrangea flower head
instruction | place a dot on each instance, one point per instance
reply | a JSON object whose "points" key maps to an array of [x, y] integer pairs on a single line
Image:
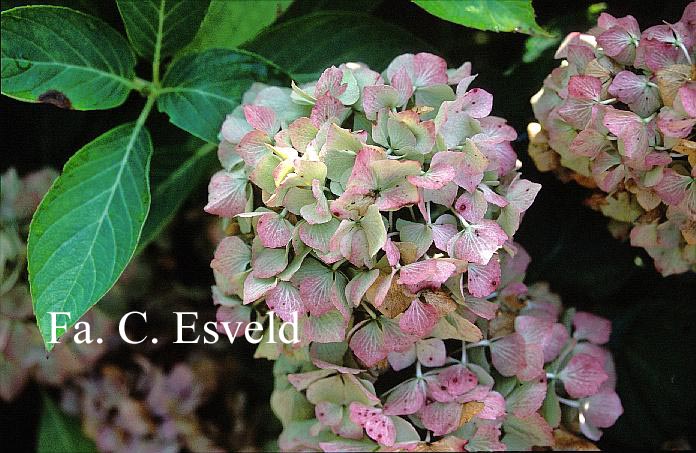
{"points": [[360, 197], [617, 116], [143, 409], [380, 210], [22, 354]]}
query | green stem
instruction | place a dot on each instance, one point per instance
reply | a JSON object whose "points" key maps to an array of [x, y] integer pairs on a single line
{"points": [[370, 312], [141, 85], [140, 122], [460, 218], [158, 45], [205, 149]]}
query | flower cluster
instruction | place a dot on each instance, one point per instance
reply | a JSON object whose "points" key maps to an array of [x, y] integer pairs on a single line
{"points": [[379, 209], [146, 411], [355, 203], [618, 116], [535, 366], [22, 354]]}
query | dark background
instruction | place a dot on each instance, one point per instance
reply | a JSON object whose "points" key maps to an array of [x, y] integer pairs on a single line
{"points": [[653, 317]]}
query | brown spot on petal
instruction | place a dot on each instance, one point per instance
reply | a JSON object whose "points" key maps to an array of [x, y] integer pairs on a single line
{"points": [[688, 148], [503, 324], [670, 79], [449, 443], [541, 153], [56, 98], [466, 330], [395, 302], [565, 441], [232, 228], [469, 411], [408, 251], [688, 230], [441, 300]]}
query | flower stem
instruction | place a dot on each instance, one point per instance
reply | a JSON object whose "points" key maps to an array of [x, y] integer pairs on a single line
{"points": [[369, 311], [480, 343], [461, 219], [686, 52], [569, 403], [650, 118]]}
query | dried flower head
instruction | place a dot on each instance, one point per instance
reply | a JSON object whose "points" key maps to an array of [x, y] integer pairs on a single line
{"points": [[618, 116]]}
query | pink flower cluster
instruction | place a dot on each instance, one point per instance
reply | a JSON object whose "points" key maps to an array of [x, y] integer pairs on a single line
{"points": [[618, 115], [380, 209], [356, 200], [505, 391], [148, 410], [22, 353]]}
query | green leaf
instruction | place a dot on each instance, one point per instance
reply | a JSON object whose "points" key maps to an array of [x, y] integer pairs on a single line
{"points": [[307, 45], [494, 15], [170, 194], [535, 46], [375, 231], [199, 89], [63, 57], [302, 8], [419, 234], [290, 405], [405, 432], [230, 24], [88, 225], [551, 409], [531, 430], [169, 24], [60, 432]]}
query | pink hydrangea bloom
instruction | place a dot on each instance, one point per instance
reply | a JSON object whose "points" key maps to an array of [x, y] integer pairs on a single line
{"points": [[392, 243], [335, 203], [618, 117], [450, 392], [23, 357]]}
